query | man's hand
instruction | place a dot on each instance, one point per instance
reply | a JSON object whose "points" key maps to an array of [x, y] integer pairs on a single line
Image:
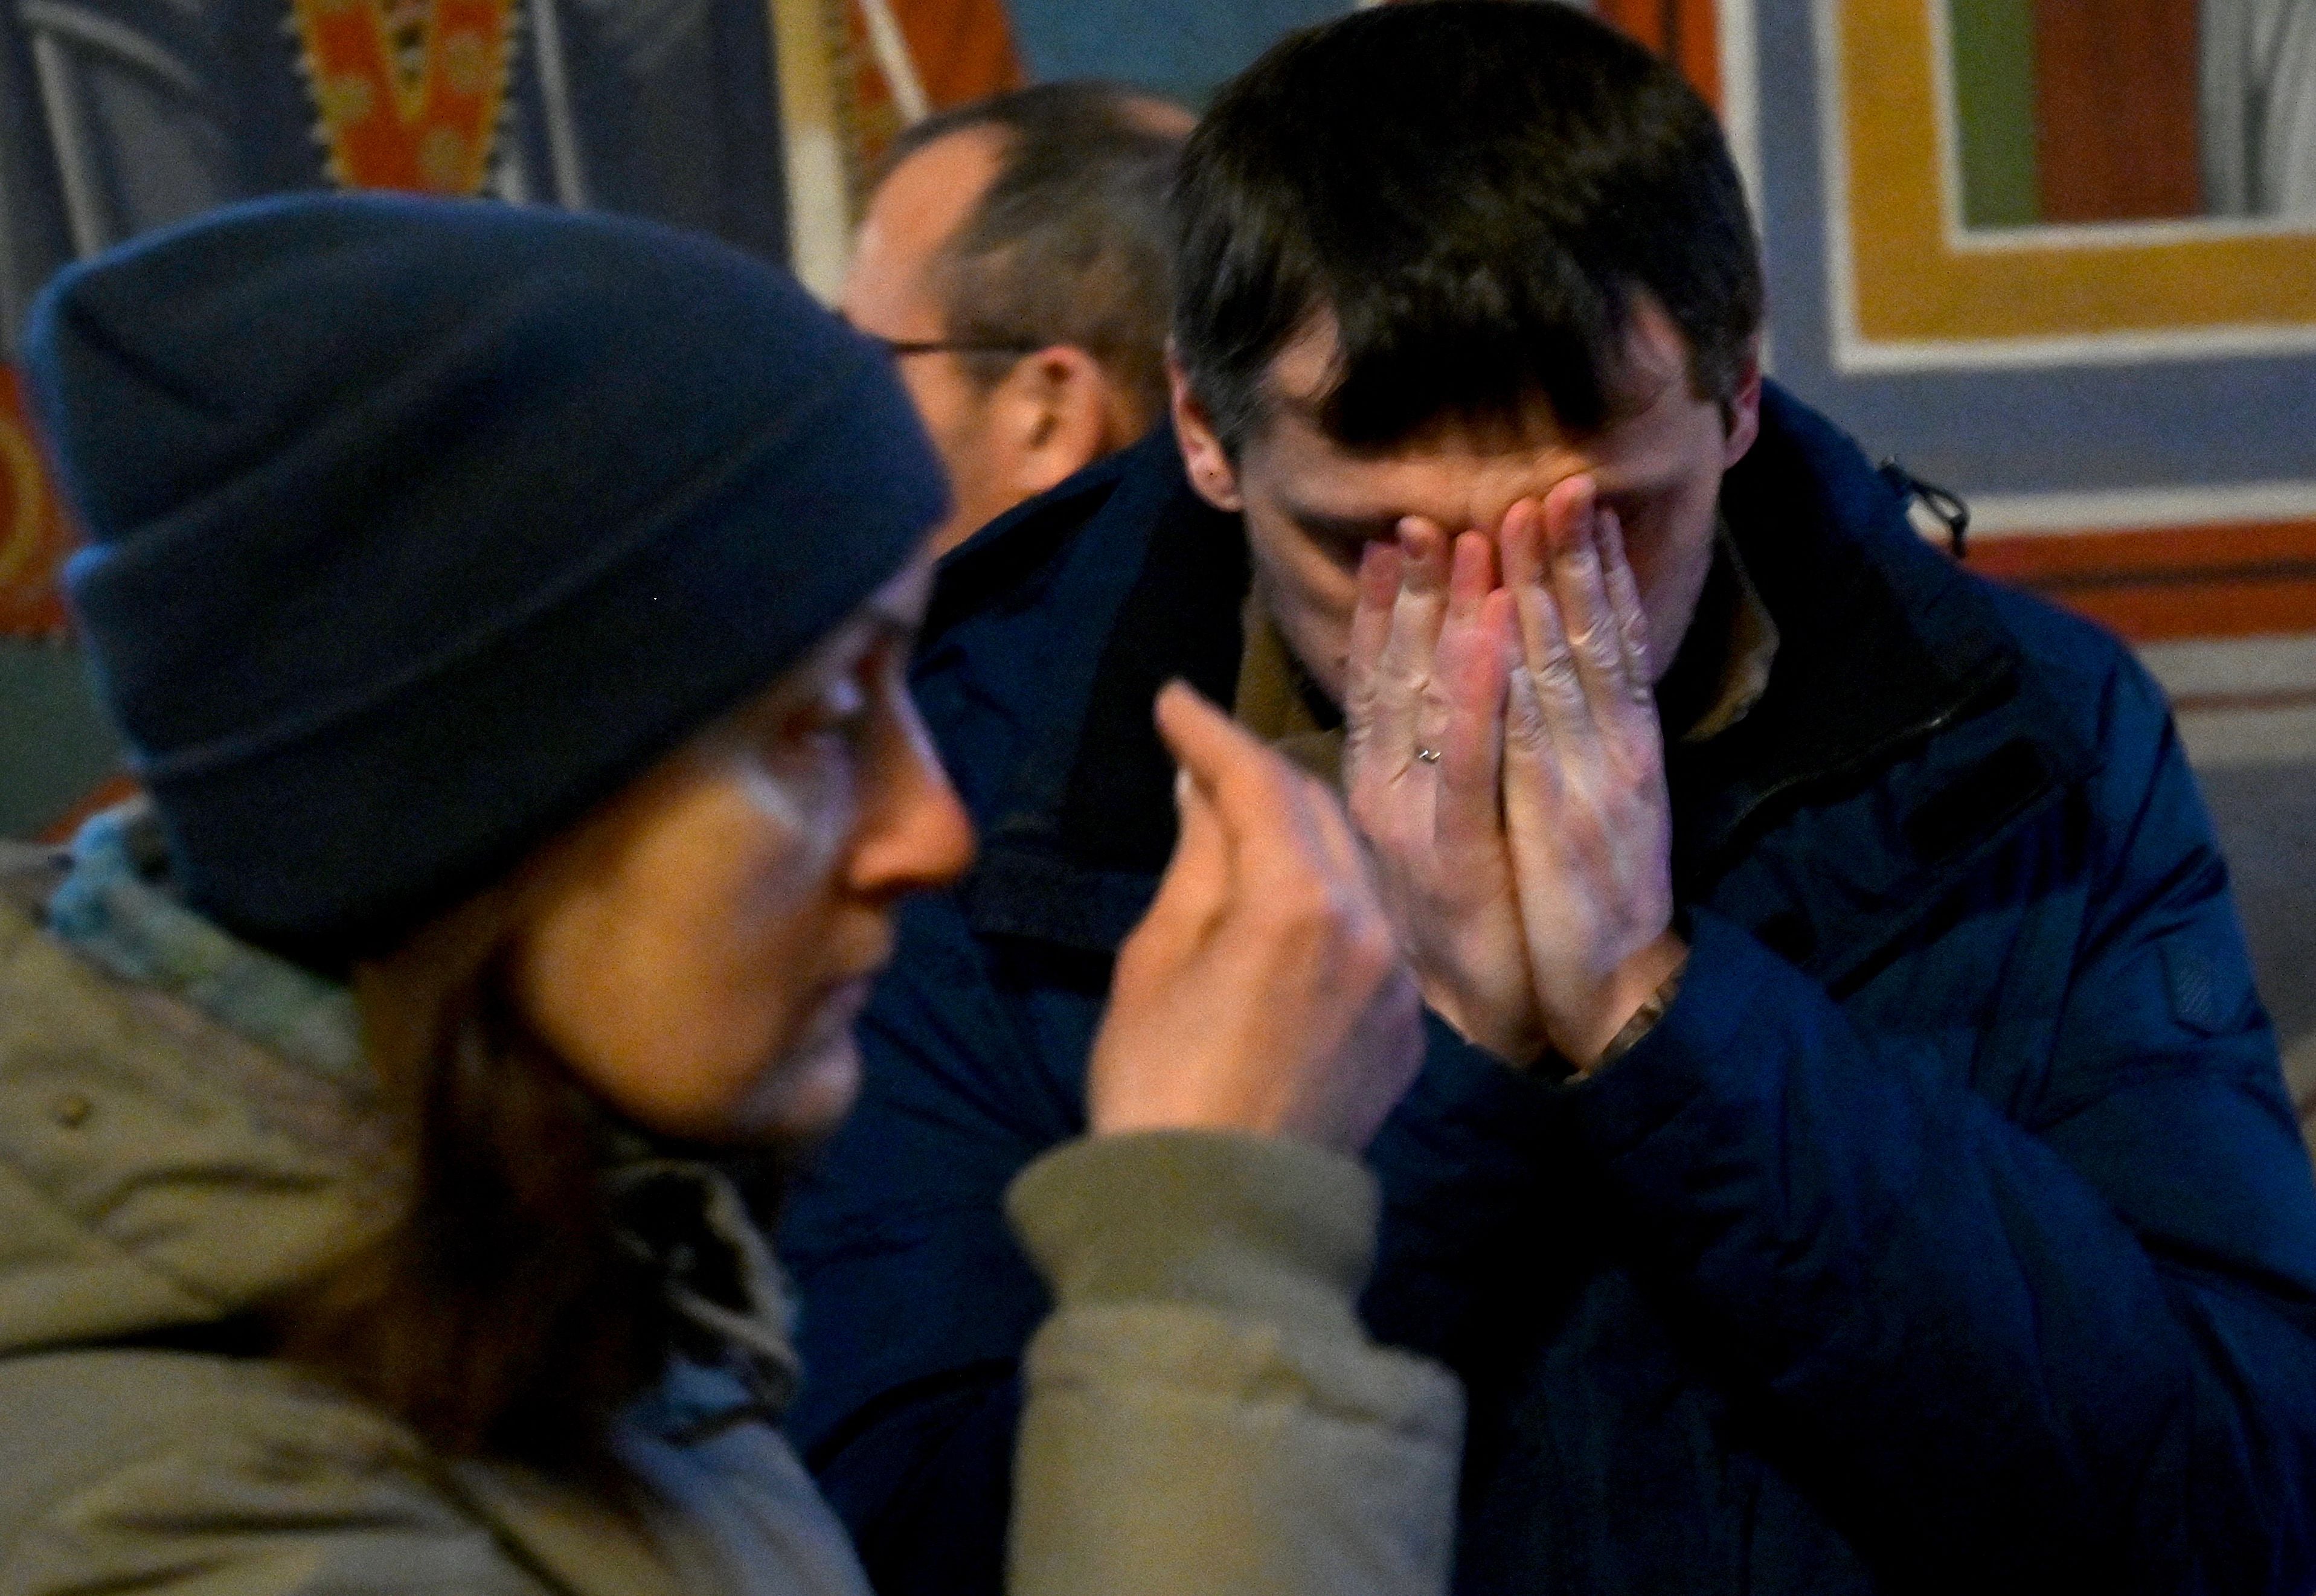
{"points": [[1585, 808], [1431, 644], [1263, 992]]}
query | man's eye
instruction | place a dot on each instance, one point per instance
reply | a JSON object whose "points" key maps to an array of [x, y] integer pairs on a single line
{"points": [[1628, 508], [1344, 542]]}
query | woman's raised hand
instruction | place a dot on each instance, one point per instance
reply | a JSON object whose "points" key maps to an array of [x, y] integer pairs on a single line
{"points": [[1264, 991]]}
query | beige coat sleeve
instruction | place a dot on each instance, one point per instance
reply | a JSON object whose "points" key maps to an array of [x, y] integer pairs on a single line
{"points": [[1204, 1412]]}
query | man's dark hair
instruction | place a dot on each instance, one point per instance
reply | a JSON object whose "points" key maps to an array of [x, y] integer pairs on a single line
{"points": [[1473, 190], [1070, 243]]}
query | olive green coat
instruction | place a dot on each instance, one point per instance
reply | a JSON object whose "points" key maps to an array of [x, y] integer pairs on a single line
{"points": [[1203, 1413]]}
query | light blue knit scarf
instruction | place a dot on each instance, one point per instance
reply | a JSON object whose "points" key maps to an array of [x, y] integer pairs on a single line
{"points": [[115, 910]]}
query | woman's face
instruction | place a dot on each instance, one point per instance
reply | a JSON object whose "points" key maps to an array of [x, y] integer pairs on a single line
{"points": [[698, 949]]}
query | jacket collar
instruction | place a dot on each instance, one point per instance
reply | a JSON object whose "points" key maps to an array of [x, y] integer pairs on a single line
{"points": [[1123, 579], [1885, 645], [1884, 641], [672, 1208], [114, 911]]}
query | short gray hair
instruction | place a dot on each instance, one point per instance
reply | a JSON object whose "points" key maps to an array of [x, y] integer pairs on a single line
{"points": [[1070, 242]]}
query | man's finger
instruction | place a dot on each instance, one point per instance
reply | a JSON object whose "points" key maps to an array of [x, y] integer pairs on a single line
{"points": [[1572, 518], [1544, 652], [1254, 791], [1196, 889], [1395, 697], [1380, 569], [1471, 575], [1625, 598], [1330, 831], [1519, 543], [1474, 662], [1222, 756], [1531, 761]]}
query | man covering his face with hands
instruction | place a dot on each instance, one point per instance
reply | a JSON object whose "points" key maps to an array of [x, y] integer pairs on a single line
{"points": [[1850, 1156], [1466, 593]]}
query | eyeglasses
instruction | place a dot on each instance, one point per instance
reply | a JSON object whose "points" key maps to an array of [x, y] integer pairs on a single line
{"points": [[899, 347]]}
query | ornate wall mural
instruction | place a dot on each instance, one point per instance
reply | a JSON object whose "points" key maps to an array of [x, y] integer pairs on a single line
{"points": [[853, 73], [409, 92], [2115, 261], [2059, 256], [117, 116], [2052, 254], [120, 116]]}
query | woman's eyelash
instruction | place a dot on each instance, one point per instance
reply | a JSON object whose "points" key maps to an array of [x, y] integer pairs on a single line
{"points": [[845, 706]]}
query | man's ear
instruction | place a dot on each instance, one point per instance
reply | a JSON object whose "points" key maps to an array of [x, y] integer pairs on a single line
{"points": [[1743, 413], [1054, 417], [1208, 463]]}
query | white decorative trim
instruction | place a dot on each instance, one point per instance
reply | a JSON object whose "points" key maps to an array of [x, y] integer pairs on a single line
{"points": [[2088, 235], [1946, 119], [77, 169], [121, 42], [1741, 92], [2140, 509], [2282, 665], [2221, 738], [1853, 353], [893, 61], [812, 147], [562, 119], [1833, 170]]}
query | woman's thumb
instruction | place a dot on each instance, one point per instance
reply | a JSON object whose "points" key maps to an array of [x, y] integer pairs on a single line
{"points": [[1197, 883]]}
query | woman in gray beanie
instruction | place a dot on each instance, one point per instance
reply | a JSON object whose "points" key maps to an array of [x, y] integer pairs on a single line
{"points": [[507, 614]]}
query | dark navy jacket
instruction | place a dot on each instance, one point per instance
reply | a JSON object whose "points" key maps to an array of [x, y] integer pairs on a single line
{"points": [[1952, 1230]]}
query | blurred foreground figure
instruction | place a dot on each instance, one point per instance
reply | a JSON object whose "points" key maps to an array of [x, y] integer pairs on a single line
{"points": [[1851, 1157], [1014, 260], [507, 612]]}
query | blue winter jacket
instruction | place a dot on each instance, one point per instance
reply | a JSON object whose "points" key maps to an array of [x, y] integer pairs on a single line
{"points": [[1951, 1232]]}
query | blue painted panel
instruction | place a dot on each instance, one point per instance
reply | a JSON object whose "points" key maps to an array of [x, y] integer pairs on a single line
{"points": [[1182, 48]]}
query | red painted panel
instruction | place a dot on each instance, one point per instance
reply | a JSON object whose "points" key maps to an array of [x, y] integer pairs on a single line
{"points": [[963, 49], [2117, 112], [1685, 30]]}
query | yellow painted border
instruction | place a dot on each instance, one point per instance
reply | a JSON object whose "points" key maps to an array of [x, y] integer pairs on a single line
{"points": [[812, 143], [1914, 281]]}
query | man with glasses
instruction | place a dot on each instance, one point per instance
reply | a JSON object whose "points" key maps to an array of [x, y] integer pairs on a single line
{"points": [[1014, 261]]}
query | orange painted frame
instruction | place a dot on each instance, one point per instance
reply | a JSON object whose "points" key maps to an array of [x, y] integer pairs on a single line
{"points": [[1916, 278], [2163, 583], [35, 530]]}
